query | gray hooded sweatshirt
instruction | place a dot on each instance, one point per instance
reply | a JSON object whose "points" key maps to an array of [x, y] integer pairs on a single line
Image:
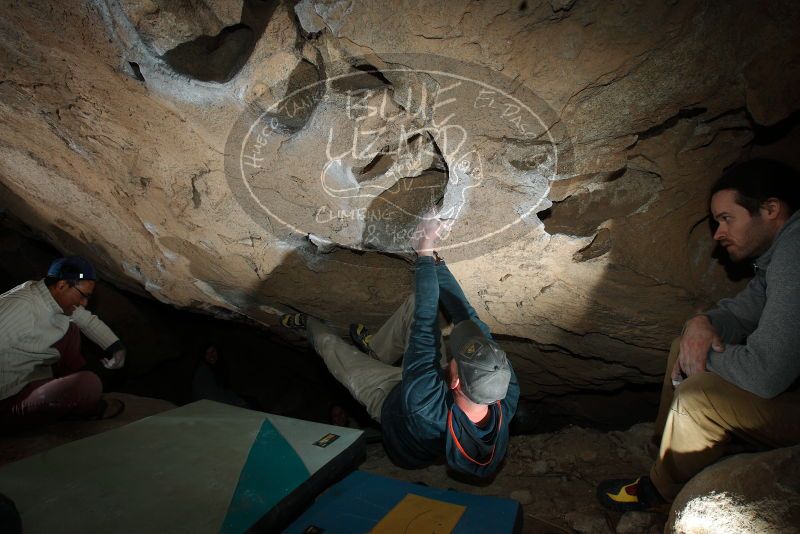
{"points": [[761, 325]]}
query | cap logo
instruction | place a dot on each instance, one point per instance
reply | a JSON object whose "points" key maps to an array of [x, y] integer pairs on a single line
{"points": [[470, 349]]}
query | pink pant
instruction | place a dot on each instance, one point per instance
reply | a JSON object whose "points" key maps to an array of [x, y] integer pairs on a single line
{"points": [[71, 392]]}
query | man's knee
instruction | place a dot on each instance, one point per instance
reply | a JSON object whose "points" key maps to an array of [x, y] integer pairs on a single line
{"points": [[407, 307], [320, 336], [698, 392], [58, 397], [87, 386]]}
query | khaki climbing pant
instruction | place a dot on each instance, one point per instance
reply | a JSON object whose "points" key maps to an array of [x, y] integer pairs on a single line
{"points": [[700, 416], [369, 380]]}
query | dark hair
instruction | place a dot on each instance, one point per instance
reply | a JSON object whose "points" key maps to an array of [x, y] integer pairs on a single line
{"points": [[759, 179], [50, 281]]}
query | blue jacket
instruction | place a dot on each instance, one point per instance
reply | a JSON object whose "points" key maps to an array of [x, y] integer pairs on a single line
{"points": [[421, 422]]}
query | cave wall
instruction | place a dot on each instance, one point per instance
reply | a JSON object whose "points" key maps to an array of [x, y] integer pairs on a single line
{"points": [[123, 121]]}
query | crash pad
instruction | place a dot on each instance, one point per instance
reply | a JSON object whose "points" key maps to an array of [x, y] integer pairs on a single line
{"points": [[203, 467], [364, 502]]}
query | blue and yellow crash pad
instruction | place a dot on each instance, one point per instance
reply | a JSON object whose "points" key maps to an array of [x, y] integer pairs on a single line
{"points": [[364, 502], [203, 467]]}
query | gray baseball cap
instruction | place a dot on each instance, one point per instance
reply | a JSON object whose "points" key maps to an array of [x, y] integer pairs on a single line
{"points": [[483, 368]]}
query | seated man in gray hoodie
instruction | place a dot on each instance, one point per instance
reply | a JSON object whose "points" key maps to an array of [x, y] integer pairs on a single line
{"points": [[735, 367]]}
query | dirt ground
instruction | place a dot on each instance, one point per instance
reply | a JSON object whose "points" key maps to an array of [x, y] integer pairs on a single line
{"points": [[554, 476]]}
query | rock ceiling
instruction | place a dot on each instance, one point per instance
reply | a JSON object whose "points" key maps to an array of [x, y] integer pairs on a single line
{"points": [[247, 158]]}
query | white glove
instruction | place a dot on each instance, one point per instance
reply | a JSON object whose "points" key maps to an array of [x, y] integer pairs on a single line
{"points": [[116, 361]]}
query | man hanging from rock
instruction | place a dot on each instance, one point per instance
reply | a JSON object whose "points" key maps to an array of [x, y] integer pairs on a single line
{"points": [[735, 368], [459, 413], [41, 376]]}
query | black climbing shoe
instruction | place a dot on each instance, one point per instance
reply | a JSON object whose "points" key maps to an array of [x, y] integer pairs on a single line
{"points": [[108, 408], [361, 338], [626, 495], [295, 321]]}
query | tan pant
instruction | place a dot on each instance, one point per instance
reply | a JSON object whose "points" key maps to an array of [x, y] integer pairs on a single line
{"points": [[700, 416], [368, 380], [390, 341]]}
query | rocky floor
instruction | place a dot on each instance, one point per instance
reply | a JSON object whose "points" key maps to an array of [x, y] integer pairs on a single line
{"points": [[554, 476]]}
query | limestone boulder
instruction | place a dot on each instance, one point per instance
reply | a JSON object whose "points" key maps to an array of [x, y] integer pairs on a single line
{"points": [[571, 144], [757, 492]]}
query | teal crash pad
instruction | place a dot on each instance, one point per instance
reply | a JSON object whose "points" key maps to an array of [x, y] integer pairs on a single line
{"points": [[363, 502]]}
